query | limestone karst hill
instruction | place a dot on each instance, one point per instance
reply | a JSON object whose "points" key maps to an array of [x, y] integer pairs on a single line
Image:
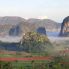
{"points": [[16, 26], [65, 27]]}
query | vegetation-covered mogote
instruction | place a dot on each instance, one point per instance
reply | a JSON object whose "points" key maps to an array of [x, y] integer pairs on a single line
{"points": [[34, 42]]}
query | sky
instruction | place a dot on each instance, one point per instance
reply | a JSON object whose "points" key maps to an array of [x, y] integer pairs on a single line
{"points": [[56, 10]]}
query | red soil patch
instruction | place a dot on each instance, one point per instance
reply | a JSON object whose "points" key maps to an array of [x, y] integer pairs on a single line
{"points": [[26, 59], [22, 59]]}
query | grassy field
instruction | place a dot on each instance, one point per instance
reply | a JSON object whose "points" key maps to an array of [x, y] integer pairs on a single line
{"points": [[5, 53], [23, 65], [44, 64]]}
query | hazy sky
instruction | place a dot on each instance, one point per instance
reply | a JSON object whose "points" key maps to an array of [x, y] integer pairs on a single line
{"points": [[53, 9]]}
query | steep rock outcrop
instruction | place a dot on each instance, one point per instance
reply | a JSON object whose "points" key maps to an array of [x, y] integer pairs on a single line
{"points": [[65, 27], [15, 31], [41, 30]]}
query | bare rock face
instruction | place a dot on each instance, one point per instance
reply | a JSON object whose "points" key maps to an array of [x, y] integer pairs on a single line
{"points": [[65, 27], [15, 31], [41, 30]]}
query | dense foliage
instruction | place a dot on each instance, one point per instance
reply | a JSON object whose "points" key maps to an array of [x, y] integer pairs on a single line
{"points": [[34, 42]]}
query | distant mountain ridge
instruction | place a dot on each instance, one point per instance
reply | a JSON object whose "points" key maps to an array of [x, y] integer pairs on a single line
{"points": [[49, 24], [11, 20], [25, 25]]}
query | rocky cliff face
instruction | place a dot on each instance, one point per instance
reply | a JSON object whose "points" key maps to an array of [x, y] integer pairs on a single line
{"points": [[4, 29], [15, 31], [65, 27], [41, 30]]}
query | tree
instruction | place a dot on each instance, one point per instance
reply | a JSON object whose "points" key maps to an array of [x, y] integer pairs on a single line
{"points": [[34, 42]]}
